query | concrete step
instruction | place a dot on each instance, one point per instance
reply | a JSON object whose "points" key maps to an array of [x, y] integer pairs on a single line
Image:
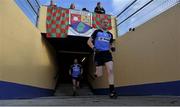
{"points": [[66, 90]]}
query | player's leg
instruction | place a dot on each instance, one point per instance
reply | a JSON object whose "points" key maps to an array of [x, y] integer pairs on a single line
{"points": [[77, 84], [99, 71], [74, 86], [109, 69], [99, 65]]}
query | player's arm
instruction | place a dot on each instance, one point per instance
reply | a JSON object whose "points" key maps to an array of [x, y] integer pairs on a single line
{"points": [[90, 43], [81, 70], [90, 40], [70, 71], [112, 45]]}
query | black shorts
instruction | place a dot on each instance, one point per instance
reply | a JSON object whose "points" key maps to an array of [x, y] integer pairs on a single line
{"points": [[102, 57]]}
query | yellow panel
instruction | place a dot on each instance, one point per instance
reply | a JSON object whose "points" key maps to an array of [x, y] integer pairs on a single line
{"points": [[114, 28], [151, 53], [24, 57], [42, 19]]}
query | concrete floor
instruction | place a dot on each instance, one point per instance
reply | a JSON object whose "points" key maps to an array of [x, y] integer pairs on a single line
{"points": [[63, 97], [96, 101]]}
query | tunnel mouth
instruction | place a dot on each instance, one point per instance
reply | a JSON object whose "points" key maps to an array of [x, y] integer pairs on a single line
{"points": [[67, 49], [70, 44], [64, 81]]}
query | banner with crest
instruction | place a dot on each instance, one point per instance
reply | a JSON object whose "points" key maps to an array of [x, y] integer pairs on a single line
{"points": [[80, 23], [61, 22]]}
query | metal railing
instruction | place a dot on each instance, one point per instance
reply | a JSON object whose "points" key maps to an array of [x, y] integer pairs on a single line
{"points": [[140, 12], [30, 8], [126, 8], [136, 12]]}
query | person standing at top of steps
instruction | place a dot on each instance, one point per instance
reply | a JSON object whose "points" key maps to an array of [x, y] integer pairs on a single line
{"points": [[72, 6], [76, 73], [101, 41], [99, 9]]}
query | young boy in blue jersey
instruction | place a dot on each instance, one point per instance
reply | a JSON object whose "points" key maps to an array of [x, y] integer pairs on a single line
{"points": [[101, 41], [75, 72]]}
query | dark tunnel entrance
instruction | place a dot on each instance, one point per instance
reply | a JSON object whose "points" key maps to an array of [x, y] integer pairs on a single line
{"points": [[67, 49]]}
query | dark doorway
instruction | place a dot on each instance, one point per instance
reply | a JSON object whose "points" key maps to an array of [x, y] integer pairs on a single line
{"points": [[67, 49]]}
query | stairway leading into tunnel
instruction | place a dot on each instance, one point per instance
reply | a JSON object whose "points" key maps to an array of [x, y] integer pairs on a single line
{"points": [[65, 89], [67, 50]]}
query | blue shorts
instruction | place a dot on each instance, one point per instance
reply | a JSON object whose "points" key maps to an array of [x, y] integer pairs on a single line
{"points": [[77, 78]]}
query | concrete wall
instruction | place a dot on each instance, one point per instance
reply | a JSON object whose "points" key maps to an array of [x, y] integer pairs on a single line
{"points": [[24, 57], [150, 54]]}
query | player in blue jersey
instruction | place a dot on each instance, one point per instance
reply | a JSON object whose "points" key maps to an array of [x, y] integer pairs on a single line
{"points": [[75, 72], [101, 41]]}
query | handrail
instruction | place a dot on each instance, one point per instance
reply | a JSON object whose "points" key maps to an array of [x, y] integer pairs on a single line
{"points": [[37, 3], [91, 76], [126, 8], [37, 14], [32, 7], [135, 12], [130, 18]]}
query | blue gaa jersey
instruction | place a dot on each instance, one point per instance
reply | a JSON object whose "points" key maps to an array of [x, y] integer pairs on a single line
{"points": [[75, 70], [102, 40]]}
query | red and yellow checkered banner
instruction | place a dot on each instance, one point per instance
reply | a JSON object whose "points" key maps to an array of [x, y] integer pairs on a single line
{"points": [[57, 22], [62, 22], [96, 20]]}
